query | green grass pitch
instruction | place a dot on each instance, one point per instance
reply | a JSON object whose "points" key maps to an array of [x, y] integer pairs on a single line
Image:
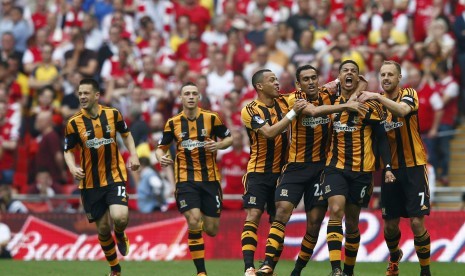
{"points": [[214, 267]]}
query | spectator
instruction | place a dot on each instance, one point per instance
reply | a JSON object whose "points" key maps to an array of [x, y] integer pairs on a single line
{"points": [[45, 73], [94, 37], [262, 61], [372, 76], [285, 43], [194, 56], [220, 80], [300, 21], [138, 126], [118, 18], [459, 32], [49, 156], [449, 91], [7, 203], [110, 46], [21, 29], [8, 144], [33, 55], [162, 14], [233, 165], [217, 35], [8, 47], [152, 189], [257, 29], [306, 54], [70, 102], [39, 17], [81, 59], [44, 185], [197, 14], [430, 108], [237, 49], [180, 33]]}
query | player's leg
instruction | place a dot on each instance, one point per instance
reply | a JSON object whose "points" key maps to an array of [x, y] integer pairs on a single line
{"points": [[314, 219], [259, 188], [418, 206], [108, 243], [335, 190], [195, 239], [393, 206], [352, 235], [117, 200], [360, 191]]}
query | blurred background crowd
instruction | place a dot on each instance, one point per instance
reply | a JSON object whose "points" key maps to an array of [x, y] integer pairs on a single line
{"points": [[142, 51]]}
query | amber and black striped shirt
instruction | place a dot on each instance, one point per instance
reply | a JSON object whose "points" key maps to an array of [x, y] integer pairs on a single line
{"points": [[266, 155], [407, 148], [310, 135], [96, 138], [193, 162], [352, 134]]}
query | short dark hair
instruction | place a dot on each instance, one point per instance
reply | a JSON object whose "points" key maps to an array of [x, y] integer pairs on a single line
{"points": [[91, 82], [258, 77], [391, 62], [346, 62], [303, 68], [189, 83]]}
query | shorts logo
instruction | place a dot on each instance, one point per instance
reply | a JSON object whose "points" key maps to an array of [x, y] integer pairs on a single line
{"points": [[284, 193], [204, 132], [424, 207], [89, 216], [124, 199], [183, 203], [327, 189], [252, 200]]}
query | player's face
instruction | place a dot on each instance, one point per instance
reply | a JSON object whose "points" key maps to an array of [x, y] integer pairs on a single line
{"points": [[348, 76], [308, 83], [390, 77], [87, 96], [190, 97], [270, 85]]}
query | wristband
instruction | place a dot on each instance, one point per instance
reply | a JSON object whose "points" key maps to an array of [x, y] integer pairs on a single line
{"points": [[291, 115]]}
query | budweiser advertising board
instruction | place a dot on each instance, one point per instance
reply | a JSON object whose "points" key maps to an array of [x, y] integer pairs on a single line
{"points": [[163, 236]]}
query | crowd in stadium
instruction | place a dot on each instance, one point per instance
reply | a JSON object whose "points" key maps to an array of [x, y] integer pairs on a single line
{"points": [[142, 51]]}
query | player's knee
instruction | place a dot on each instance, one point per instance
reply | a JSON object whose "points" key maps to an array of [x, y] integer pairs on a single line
{"points": [[211, 231], [283, 213], [121, 221], [336, 211], [417, 226], [254, 215], [390, 228], [194, 222], [104, 230]]}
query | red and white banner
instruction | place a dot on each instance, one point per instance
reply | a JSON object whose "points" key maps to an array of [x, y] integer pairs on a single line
{"points": [[163, 236]]}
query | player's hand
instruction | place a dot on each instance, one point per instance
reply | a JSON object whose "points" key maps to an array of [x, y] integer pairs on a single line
{"points": [[210, 145], [299, 105], [78, 173], [166, 160], [389, 177], [133, 163], [366, 96], [355, 106]]}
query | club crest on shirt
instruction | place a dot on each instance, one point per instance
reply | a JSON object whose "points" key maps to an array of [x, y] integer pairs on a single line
{"points": [[257, 119]]}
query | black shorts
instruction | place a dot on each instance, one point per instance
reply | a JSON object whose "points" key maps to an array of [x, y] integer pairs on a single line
{"points": [[408, 196], [357, 187], [97, 200], [207, 196], [259, 191], [299, 179]]}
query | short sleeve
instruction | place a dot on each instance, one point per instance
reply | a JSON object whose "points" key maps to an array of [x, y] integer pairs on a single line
{"points": [[252, 119], [375, 111], [121, 125], [71, 136], [410, 97], [219, 128], [167, 137]]}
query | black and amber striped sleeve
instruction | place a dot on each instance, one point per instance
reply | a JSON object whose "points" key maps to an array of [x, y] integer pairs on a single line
{"points": [[375, 111], [71, 136], [219, 128], [121, 125], [168, 136], [251, 117], [410, 97]]}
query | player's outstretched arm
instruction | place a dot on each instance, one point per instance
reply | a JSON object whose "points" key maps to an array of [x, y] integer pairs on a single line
{"points": [[270, 132], [397, 109]]}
